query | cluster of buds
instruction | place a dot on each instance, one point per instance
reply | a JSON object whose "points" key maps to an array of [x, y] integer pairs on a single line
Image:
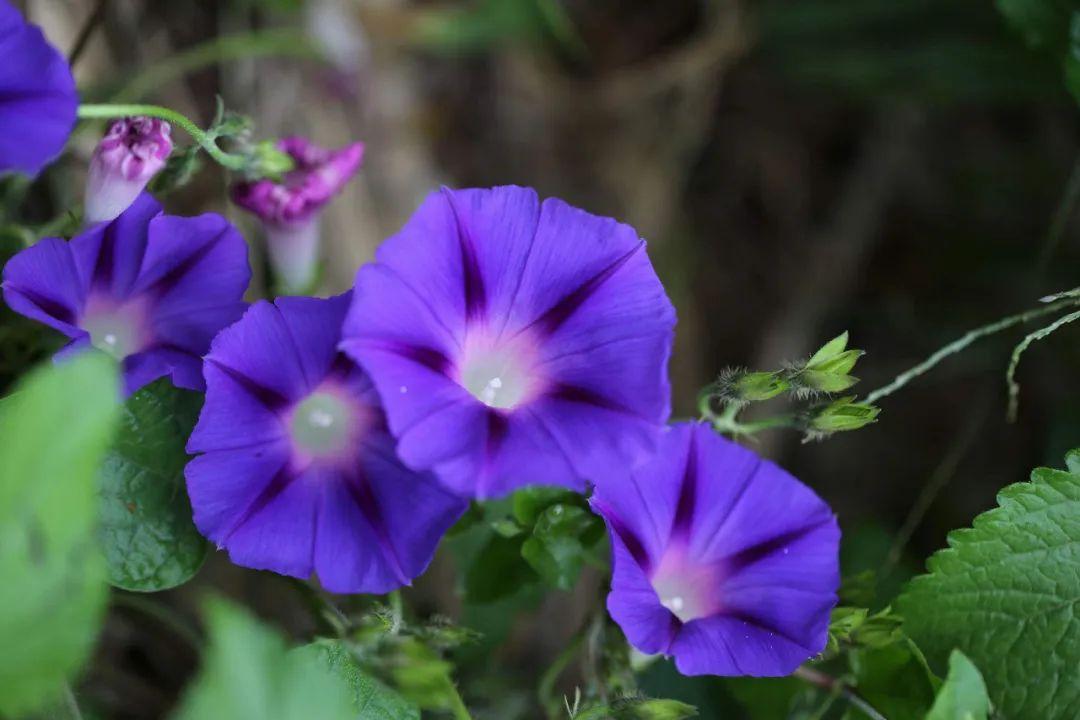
{"points": [[826, 373], [284, 183]]}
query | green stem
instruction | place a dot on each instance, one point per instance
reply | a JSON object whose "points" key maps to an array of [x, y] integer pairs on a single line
{"points": [[397, 612], [1014, 362], [546, 688], [220, 49], [833, 685], [227, 160], [457, 705], [964, 341]]}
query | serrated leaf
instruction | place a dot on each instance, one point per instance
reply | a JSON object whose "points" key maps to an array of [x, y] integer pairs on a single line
{"points": [[829, 350], [963, 695], [249, 672], [55, 431], [371, 699], [149, 538], [1006, 593]]}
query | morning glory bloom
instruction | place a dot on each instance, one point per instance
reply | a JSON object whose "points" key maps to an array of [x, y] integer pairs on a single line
{"points": [[299, 474], [720, 559], [289, 210], [132, 152], [149, 289], [37, 96], [514, 342]]}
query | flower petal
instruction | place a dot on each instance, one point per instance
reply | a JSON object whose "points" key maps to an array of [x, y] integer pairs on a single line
{"points": [[634, 605], [37, 97], [725, 645], [234, 414], [224, 485], [260, 350], [42, 282], [378, 528]]}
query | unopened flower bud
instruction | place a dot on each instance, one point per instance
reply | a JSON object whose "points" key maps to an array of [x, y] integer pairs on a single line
{"points": [[827, 371], [844, 414], [289, 208], [758, 386], [133, 150]]}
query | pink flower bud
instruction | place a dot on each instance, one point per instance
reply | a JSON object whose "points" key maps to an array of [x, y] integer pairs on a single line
{"points": [[131, 153], [289, 209]]}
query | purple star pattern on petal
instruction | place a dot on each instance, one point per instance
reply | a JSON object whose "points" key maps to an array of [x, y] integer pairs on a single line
{"points": [[37, 96], [720, 558], [150, 289], [299, 474], [514, 342]]}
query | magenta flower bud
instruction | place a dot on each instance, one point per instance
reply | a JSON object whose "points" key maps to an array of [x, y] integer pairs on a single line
{"points": [[289, 209], [132, 152]]}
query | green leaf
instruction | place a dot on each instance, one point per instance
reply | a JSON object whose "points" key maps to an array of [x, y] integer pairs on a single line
{"points": [[560, 542], [248, 672], [529, 503], [371, 698], [1042, 23], [54, 433], [963, 696], [894, 679], [498, 570], [1052, 26], [1006, 593], [149, 539]]}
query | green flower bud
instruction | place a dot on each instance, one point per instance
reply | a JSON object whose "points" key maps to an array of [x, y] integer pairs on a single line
{"points": [[268, 161], [827, 371], [758, 386], [843, 414]]}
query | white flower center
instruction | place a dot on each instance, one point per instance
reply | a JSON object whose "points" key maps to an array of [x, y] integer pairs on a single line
{"points": [[497, 377], [116, 329], [323, 425], [688, 589]]}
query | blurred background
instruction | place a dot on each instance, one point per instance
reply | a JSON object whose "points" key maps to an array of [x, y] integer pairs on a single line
{"points": [[905, 171]]}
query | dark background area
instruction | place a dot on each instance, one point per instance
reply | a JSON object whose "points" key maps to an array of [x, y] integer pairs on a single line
{"points": [[799, 167]]}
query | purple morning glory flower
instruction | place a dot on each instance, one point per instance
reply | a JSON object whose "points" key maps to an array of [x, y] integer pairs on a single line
{"points": [[37, 96], [299, 474], [132, 152], [514, 342], [289, 210], [721, 559], [150, 289]]}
